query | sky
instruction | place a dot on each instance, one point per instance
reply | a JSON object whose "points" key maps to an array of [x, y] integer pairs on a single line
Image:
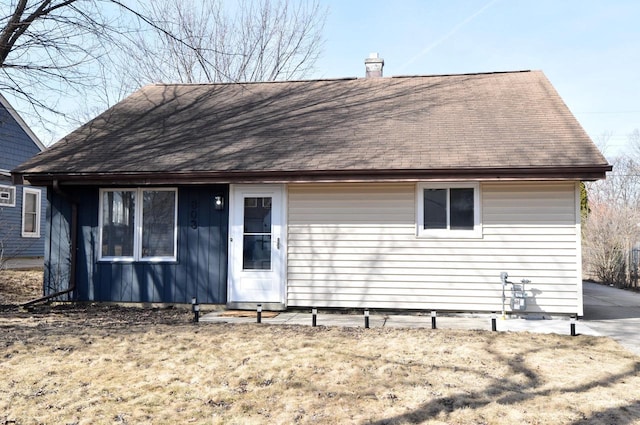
{"points": [[588, 49]]}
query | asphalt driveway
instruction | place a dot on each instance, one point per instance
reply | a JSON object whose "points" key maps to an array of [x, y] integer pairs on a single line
{"points": [[613, 312]]}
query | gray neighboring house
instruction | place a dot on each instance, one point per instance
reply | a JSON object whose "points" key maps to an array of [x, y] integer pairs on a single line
{"points": [[402, 193], [22, 208]]}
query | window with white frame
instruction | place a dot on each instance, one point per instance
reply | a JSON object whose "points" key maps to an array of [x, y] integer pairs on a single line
{"points": [[448, 210], [31, 201], [7, 196], [138, 224]]}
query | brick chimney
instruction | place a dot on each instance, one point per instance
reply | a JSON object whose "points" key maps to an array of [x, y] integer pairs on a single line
{"points": [[374, 65]]}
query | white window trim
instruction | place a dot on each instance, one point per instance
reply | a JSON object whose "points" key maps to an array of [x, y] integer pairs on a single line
{"points": [[421, 232], [12, 195], [137, 234], [38, 193]]}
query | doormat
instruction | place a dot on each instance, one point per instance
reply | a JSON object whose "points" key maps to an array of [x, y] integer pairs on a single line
{"points": [[248, 313]]}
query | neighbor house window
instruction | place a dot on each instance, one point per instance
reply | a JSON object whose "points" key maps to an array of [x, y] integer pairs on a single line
{"points": [[31, 212], [7, 196], [448, 210], [138, 224]]}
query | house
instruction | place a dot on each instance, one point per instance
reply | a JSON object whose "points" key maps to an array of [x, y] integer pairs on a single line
{"points": [[22, 208], [402, 193]]}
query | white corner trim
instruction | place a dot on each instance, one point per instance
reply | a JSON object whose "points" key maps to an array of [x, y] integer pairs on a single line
{"points": [[580, 290]]}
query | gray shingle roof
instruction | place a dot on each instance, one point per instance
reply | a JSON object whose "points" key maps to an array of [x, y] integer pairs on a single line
{"points": [[513, 120]]}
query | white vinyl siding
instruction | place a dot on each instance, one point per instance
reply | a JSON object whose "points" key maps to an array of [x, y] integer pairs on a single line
{"points": [[355, 245]]}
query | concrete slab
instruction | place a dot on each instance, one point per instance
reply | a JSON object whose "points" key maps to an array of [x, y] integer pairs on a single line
{"points": [[558, 326], [31, 263], [609, 312]]}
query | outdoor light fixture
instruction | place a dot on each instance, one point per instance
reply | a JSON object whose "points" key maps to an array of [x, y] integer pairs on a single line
{"points": [[218, 202]]}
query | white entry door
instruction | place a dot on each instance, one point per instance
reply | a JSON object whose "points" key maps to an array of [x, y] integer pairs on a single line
{"points": [[257, 244]]}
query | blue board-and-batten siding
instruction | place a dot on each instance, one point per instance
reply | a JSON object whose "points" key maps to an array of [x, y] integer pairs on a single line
{"points": [[200, 270], [57, 245]]}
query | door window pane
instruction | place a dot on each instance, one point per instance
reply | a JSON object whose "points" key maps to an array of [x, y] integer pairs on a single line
{"points": [[256, 252], [461, 205], [257, 215], [435, 208], [257, 234], [158, 220], [118, 209]]}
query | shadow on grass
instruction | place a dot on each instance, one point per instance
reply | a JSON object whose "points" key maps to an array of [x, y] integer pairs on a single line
{"points": [[508, 391], [69, 319], [623, 415], [518, 384]]}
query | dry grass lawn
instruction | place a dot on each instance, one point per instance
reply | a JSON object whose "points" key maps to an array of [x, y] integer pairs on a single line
{"points": [[19, 286], [96, 364]]}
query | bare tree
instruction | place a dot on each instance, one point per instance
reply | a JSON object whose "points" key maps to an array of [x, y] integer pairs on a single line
{"points": [[257, 40], [96, 51], [603, 140], [612, 228], [50, 49], [610, 233], [634, 141]]}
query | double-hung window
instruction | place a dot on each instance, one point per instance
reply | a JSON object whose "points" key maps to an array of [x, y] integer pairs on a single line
{"points": [[138, 224], [31, 203], [448, 210]]}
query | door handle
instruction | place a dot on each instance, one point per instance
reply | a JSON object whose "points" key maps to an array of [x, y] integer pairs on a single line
{"points": [[278, 243]]}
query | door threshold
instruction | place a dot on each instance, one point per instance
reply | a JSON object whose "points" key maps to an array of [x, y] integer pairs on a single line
{"points": [[242, 305]]}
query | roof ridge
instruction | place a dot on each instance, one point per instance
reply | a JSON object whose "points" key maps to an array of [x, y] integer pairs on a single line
{"points": [[466, 74], [314, 80]]}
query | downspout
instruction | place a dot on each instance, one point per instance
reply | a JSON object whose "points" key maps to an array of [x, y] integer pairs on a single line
{"points": [[74, 247]]}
